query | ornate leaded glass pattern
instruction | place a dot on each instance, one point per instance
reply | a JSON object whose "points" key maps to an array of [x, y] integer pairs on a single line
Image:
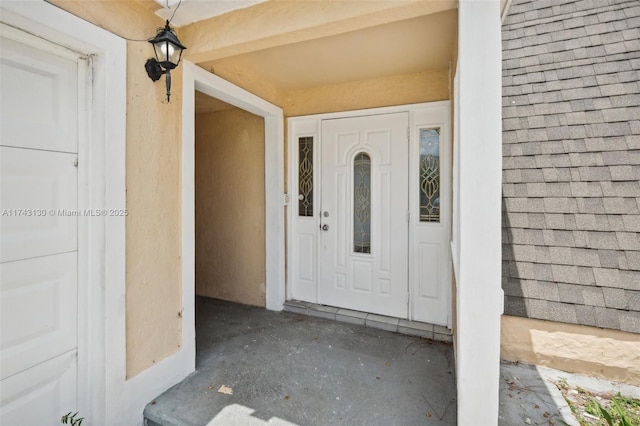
{"points": [[305, 176], [430, 175], [362, 203]]}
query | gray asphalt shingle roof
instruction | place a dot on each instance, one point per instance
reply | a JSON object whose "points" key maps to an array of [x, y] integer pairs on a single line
{"points": [[571, 161]]}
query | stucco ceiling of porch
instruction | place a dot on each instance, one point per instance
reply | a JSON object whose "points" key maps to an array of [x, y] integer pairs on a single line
{"points": [[325, 46], [291, 46], [401, 47]]}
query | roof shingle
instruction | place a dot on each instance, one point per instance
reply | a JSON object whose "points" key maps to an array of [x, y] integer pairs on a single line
{"points": [[571, 161]]}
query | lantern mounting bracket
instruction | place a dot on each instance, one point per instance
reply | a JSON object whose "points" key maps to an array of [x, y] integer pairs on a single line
{"points": [[154, 70]]}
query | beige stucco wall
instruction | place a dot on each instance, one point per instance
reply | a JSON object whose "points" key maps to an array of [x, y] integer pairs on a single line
{"points": [[230, 206], [249, 80], [153, 268], [153, 227], [424, 86], [610, 354]]}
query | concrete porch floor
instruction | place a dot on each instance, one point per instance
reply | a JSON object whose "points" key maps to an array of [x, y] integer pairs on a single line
{"points": [[285, 368]]}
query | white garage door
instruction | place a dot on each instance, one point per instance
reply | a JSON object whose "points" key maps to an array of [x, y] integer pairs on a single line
{"points": [[38, 230]]}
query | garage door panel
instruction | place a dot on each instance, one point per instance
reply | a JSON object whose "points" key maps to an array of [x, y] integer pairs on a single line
{"points": [[39, 98], [38, 301], [41, 84], [40, 395], [39, 190]]}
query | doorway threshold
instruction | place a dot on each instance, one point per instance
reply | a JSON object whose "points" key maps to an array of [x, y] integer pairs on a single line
{"points": [[397, 325]]}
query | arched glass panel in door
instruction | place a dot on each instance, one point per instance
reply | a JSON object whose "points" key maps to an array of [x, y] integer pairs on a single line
{"points": [[362, 203]]}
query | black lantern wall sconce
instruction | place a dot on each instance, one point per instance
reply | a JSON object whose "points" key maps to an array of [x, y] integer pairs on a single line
{"points": [[168, 50]]}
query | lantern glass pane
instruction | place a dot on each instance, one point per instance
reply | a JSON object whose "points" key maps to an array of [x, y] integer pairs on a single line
{"points": [[167, 52], [175, 53], [160, 49]]}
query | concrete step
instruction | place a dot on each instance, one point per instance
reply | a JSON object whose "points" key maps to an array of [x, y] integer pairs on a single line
{"points": [[397, 325]]}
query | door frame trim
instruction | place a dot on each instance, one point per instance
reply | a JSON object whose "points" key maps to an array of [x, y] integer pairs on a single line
{"points": [[196, 78], [293, 180]]}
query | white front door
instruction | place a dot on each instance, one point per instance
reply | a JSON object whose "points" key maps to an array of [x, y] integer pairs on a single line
{"points": [[39, 247], [363, 218], [379, 182]]}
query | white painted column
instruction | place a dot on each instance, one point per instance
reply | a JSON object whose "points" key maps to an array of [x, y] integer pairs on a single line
{"points": [[274, 210], [477, 239]]}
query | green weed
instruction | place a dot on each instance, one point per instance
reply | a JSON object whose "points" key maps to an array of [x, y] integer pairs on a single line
{"points": [[621, 412], [72, 419]]}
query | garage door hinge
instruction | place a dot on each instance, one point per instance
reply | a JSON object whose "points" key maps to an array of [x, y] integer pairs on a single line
{"points": [[75, 163], [408, 134], [408, 215]]}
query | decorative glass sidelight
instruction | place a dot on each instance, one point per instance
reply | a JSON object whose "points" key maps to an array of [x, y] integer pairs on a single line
{"points": [[362, 203], [305, 176], [430, 175]]}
